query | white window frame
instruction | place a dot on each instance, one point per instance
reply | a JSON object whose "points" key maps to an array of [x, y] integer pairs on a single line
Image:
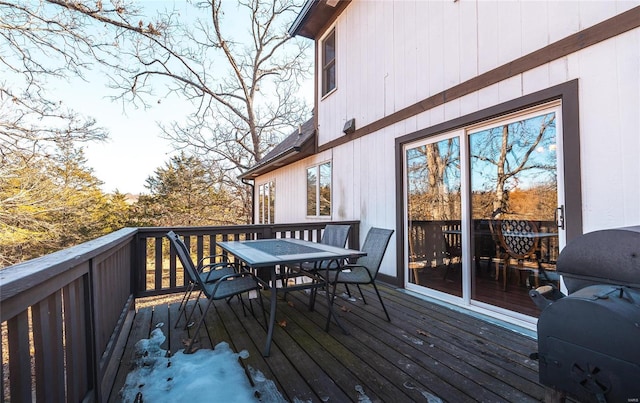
{"points": [[318, 209], [324, 91], [266, 200]]}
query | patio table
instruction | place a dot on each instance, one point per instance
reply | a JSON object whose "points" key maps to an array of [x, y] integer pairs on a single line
{"points": [[265, 254]]}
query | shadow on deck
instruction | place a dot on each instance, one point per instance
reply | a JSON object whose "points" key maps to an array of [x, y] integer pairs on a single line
{"points": [[426, 351]]}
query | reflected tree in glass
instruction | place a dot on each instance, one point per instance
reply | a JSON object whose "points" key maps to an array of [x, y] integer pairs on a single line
{"points": [[311, 191], [513, 167], [434, 204], [272, 202], [434, 181], [325, 189]]}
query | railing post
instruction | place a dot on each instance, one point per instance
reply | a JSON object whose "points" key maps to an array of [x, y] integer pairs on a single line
{"points": [[90, 336], [266, 233], [141, 264]]}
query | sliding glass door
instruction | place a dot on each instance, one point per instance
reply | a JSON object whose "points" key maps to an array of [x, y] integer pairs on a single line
{"points": [[483, 205], [434, 214]]}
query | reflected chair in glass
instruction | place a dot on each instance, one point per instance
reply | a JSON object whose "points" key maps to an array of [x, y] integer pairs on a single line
{"points": [[519, 241], [364, 271], [235, 283]]}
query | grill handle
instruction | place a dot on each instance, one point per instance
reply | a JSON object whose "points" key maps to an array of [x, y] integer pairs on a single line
{"points": [[545, 295]]}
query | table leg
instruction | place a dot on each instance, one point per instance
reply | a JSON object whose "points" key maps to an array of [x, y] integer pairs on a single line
{"points": [[272, 313], [330, 297]]}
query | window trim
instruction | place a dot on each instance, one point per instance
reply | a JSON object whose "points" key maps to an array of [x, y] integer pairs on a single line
{"points": [[567, 92], [325, 66], [318, 208], [266, 215]]}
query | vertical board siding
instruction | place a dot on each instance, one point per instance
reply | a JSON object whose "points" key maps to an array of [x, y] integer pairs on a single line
{"points": [[609, 148], [455, 42], [19, 357], [384, 47], [509, 29], [77, 364], [535, 26], [48, 348], [50, 341]]}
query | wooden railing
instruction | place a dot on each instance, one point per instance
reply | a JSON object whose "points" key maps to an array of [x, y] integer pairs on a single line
{"points": [[424, 241], [66, 316]]}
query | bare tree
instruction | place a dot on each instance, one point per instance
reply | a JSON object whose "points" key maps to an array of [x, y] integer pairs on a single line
{"points": [[244, 84], [435, 181], [49, 199], [56, 39], [506, 152], [244, 89]]}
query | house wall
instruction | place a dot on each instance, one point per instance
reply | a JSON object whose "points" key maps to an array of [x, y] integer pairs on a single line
{"points": [[291, 187], [391, 55]]}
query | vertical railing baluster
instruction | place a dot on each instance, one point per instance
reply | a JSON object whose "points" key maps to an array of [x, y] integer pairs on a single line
{"points": [[19, 358]]}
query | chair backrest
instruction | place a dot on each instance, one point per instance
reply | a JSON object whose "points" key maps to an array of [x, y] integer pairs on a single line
{"points": [[375, 244], [184, 256], [518, 237], [335, 235]]}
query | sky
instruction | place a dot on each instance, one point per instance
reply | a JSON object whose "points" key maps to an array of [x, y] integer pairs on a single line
{"points": [[135, 148]]}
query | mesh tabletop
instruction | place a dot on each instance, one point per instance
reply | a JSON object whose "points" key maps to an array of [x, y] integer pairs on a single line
{"points": [[281, 247]]}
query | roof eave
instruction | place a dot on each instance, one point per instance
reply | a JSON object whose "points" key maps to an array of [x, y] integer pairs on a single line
{"points": [[315, 15], [271, 165], [302, 17]]}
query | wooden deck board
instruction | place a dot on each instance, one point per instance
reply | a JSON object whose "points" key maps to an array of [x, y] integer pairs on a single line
{"points": [[462, 355], [427, 349]]}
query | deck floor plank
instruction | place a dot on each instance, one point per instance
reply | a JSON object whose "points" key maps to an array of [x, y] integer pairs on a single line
{"points": [[401, 353], [375, 347], [482, 344], [426, 351], [402, 336], [447, 348], [294, 383], [252, 340], [140, 330], [348, 363]]}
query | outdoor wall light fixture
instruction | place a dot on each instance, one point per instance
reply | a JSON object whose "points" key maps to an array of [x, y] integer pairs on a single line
{"points": [[349, 126]]}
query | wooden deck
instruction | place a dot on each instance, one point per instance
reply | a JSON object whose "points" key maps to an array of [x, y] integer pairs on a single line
{"points": [[426, 351]]}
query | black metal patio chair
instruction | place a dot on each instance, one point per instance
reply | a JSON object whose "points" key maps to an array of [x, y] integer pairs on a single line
{"points": [[235, 283], [334, 235], [217, 267], [364, 271]]}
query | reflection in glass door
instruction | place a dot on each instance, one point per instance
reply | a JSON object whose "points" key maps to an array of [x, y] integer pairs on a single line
{"points": [[495, 186], [514, 196], [434, 216]]}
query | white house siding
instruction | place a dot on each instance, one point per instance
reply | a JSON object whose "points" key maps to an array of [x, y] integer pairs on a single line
{"points": [[391, 55], [291, 188], [610, 131]]}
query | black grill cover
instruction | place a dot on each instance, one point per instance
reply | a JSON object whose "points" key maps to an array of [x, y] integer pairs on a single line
{"points": [[589, 344], [609, 256]]}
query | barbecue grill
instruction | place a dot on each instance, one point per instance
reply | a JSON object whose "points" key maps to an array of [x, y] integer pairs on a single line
{"points": [[589, 340]]}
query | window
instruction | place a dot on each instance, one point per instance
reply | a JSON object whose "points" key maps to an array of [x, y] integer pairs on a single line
{"points": [[319, 190], [329, 63], [266, 203]]}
